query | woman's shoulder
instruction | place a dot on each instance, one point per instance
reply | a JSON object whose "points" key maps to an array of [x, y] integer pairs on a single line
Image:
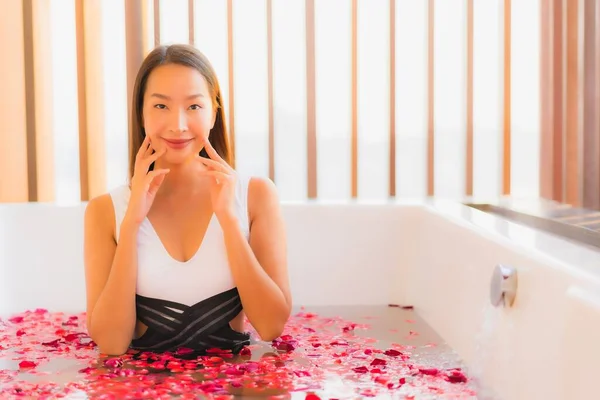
{"points": [[103, 208], [262, 194], [109, 199], [100, 210], [261, 186]]}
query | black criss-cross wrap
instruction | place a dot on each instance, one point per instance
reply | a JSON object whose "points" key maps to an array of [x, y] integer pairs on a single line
{"points": [[204, 325]]}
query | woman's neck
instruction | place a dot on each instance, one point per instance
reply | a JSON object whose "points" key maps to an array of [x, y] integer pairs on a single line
{"points": [[182, 178]]}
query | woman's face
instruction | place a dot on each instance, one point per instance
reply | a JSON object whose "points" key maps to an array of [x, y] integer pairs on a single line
{"points": [[178, 112]]}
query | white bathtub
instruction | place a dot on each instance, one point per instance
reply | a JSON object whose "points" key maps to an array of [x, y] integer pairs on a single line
{"points": [[435, 256]]}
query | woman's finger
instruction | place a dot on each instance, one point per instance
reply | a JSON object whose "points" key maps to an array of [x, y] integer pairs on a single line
{"points": [[212, 153], [153, 174], [153, 157], [156, 181], [143, 148], [213, 164], [217, 175]]}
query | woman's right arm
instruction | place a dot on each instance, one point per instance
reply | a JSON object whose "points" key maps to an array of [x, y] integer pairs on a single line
{"points": [[111, 275], [111, 268]]}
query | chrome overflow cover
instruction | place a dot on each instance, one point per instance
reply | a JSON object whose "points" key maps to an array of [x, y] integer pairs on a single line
{"points": [[503, 288]]}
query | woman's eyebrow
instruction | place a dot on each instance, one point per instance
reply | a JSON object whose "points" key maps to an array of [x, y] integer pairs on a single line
{"points": [[165, 97]]}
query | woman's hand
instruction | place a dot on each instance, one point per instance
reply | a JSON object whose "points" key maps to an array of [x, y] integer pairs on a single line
{"points": [[144, 184], [222, 179]]}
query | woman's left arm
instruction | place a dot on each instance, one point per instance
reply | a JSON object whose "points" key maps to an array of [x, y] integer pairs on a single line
{"points": [[259, 266]]}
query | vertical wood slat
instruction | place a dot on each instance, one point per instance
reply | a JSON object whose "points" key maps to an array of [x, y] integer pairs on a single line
{"points": [[156, 22], [430, 99], [589, 103], [572, 195], [311, 134], [270, 89], [230, 60], [590, 166], [136, 48], [506, 141], [39, 104], [557, 106], [392, 94], [92, 81], [192, 34], [134, 43], [596, 110], [30, 93], [14, 186], [84, 182], [469, 122], [354, 95], [546, 99]]}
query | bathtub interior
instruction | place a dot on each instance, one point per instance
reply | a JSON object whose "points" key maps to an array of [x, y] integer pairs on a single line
{"points": [[435, 256]]}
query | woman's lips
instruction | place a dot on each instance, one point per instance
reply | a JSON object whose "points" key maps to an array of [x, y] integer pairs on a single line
{"points": [[177, 143]]}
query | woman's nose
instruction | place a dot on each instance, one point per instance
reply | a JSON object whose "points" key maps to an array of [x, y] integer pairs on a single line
{"points": [[179, 122]]}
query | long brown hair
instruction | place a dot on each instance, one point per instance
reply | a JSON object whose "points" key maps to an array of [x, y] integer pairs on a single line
{"points": [[189, 56]]}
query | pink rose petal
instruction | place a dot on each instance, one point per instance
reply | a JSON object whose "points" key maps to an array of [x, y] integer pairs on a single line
{"points": [[113, 363]]}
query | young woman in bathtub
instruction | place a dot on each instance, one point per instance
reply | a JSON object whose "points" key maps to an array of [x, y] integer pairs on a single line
{"points": [[179, 256]]}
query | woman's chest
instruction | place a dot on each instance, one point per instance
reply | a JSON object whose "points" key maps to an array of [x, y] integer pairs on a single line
{"points": [[204, 274]]}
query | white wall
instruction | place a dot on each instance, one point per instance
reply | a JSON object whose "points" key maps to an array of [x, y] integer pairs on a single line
{"points": [[338, 255]]}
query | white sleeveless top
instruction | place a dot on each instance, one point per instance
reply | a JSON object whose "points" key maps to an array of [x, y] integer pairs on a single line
{"points": [[205, 274]]}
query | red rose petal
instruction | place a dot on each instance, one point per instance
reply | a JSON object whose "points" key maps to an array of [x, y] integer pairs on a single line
{"points": [[215, 350], [339, 343], [392, 353], [361, 370], [285, 346], [245, 352], [429, 371], [378, 361], [183, 351], [312, 396], [27, 364], [71, 337], [456, 377]]}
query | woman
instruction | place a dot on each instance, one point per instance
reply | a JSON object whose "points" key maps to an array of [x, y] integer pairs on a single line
{"points": [[179, 256]]}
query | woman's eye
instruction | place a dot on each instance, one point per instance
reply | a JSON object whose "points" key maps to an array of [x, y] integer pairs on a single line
{"points": [[160, 106], [195, 107]]}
